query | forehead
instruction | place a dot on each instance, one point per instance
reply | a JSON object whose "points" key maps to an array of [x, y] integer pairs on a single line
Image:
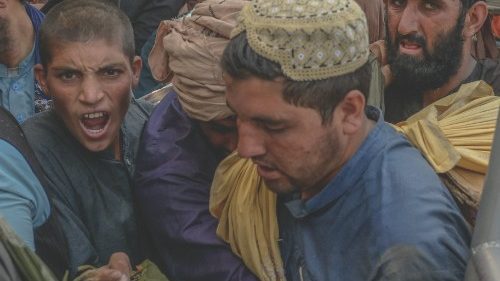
{"points": [[93, 51], [437, 13], [259, 99], [448, 4], [252, 89]]}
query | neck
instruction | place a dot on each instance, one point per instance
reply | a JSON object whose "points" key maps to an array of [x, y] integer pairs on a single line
{"points": [[468, 65], [19, 37]]}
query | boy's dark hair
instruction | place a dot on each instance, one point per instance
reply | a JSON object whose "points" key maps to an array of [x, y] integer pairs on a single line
{"points": [[84, 21], [241, 62]]}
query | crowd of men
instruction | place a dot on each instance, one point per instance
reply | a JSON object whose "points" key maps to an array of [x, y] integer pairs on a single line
{"points": [[93, 175]]}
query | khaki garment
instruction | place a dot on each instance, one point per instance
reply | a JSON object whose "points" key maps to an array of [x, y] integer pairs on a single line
{"points": [[187, 53], [455, 134], [246, 210]]}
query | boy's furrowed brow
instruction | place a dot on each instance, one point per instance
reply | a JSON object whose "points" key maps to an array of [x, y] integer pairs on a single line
{"points": [[59, 69], [63, 67]]}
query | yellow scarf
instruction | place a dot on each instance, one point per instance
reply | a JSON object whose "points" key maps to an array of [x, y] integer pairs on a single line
{"points": [[455, 135], [246, 210]]}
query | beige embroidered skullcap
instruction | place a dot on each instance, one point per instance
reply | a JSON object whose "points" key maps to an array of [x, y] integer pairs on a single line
{"points": [[310, 39]]}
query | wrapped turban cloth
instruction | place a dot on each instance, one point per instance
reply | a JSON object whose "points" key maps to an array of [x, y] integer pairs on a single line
{"points": [[187, 52]]}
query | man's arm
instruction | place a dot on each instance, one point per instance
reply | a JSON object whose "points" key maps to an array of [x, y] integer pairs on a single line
{"points": [[23, 202], [408, 263], [174, 170], [183, 232]]}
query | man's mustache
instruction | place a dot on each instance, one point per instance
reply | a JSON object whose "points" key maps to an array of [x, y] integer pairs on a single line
{"points": [[411, 38]]}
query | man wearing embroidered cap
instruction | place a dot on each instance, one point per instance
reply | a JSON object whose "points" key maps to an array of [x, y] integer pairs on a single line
{"points": [[358, 202]]}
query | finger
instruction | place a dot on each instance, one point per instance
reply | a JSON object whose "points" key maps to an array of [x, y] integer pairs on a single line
{"points": [[121, 262], [87, 275], [109, 275]]}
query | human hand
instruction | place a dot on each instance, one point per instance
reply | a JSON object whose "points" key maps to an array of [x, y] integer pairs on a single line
{"points": [[117, 269]]}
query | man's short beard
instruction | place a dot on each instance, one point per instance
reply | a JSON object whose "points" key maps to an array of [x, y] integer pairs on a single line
{"points": [[414, 75], [5, 40]]}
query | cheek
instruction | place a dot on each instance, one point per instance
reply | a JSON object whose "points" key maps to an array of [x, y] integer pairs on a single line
{"points": [[64, 106], [392, 17], [392, 28], [286, 151], [296, 150], [120, 97]]}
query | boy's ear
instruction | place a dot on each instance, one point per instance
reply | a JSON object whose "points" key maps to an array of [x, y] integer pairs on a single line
{"points": [[41, 77], [136, 70]]}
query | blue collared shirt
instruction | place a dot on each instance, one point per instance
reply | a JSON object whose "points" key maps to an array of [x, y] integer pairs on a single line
{"points": [[384, 216], [19, 91], [17, 88], [23, 202]]}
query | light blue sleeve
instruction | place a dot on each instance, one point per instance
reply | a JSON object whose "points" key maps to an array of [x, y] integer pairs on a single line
{"points": [[23, 202]]}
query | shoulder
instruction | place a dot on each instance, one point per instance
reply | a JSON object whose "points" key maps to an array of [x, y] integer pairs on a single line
{"points": [[406, 189], [43, 128], [410, 207], [140, 109], [171, 142], [392, 152], [18, 183], [167, 120], [401, 162], [137, 115], [51, 141], [166, 131]]}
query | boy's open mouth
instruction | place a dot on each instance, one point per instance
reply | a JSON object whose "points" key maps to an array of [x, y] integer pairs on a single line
{"points": [[95, 123]]}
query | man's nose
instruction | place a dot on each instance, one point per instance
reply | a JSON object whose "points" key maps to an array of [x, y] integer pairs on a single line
{"points": [[250, 141], [409, 21], [91, 91]]}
